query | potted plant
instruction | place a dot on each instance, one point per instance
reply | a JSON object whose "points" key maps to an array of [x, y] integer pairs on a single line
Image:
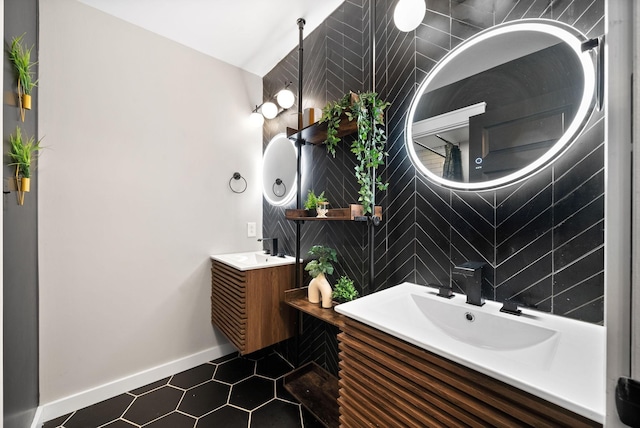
{"points": [[344, 290], [20, 56], [22, 152], [319, 287], [369, 146], [314, 202]]}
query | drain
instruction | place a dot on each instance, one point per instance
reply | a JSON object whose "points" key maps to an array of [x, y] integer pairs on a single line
{"points": [[470, 317]]}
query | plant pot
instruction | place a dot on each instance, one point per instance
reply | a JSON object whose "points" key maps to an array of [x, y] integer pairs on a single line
{"points": [[26, 101], [322, 209], [25, 184], [319, 291], [311, 213]]}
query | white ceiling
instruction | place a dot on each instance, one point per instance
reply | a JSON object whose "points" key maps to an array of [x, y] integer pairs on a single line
{"points": [[251, 34]]}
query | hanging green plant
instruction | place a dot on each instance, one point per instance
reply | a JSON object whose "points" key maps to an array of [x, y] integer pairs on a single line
{"points": [[331, 114], [369, 146]]}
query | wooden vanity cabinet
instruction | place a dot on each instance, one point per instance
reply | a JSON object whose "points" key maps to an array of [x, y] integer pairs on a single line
{"points": [[248, 306], [387, 382]]}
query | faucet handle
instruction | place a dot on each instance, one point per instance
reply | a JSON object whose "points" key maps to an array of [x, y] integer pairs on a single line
{"points": [[510, 306], [444, 291]]}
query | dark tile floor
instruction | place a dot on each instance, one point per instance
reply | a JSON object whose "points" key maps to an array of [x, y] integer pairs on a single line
{"points": [[229, 392]]}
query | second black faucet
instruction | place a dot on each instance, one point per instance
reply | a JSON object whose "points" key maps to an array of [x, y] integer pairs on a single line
{"points": [[274, 246]]}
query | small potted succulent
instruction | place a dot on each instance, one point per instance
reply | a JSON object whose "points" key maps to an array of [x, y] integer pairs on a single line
{"points": [[317, 206], [344, 290], [319, 288]]}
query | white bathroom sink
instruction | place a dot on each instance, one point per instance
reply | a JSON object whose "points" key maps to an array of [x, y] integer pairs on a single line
{"points": [[556, 358], [481, 328], [252, 260]]}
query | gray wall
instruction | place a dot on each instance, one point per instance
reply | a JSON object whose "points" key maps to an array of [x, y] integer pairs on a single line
{"points": [[20, 241]]}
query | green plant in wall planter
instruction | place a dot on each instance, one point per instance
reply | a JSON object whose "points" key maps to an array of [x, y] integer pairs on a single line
{"points": [[22, 151], [319, 288], [20, 56], [344, 290], [369, 146]]}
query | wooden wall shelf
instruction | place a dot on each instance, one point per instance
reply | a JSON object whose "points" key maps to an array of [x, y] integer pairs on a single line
{"points": [[317, 391], [316, 133], [354, 212], [297, 298]]}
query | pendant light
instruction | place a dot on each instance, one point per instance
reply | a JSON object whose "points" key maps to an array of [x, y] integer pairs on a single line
{"points": [[408, 14]]}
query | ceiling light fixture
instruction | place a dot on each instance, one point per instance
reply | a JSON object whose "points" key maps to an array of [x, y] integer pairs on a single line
{"points": [[256, 118], [285, 97], [269, 110], [408, 14]]}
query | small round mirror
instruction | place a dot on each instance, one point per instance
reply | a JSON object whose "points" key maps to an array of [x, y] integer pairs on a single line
{"points": [[279, 165], [501, 105]]}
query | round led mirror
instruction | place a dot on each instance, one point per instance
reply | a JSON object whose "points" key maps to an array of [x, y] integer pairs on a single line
{"points": [[501, 105], [279, 165]]}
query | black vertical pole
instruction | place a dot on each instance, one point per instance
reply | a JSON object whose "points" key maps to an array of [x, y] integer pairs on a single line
{"points": [[299, 143], [371, 223]]}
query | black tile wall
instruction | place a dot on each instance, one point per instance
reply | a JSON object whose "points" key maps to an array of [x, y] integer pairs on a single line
{"points": [[542, 239]]}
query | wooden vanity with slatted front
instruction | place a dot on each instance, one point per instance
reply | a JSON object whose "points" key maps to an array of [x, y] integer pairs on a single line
{"points": [[386, 382], [248, 306]]}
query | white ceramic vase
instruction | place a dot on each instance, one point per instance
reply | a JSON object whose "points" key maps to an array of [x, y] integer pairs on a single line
{"points": [[320, 291]]}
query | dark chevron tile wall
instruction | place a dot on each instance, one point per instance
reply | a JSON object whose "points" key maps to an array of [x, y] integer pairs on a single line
{"points": [[543, 239]]}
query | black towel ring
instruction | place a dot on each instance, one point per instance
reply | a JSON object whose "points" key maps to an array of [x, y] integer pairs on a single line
{"points": [[279, 182], [237, 176]]}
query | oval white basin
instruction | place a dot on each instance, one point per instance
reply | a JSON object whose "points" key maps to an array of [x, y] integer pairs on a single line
{"points": [[252, 260], [479, 328], [555, 358]]}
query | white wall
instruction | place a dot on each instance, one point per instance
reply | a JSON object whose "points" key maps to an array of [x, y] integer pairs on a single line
{"points": [[143, 135]]}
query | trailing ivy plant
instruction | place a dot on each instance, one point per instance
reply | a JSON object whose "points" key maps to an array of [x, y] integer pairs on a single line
{"points": [[331, 114], [369, 146]]}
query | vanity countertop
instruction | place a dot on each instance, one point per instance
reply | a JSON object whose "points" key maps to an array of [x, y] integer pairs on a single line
{"points": [[252, 260]]}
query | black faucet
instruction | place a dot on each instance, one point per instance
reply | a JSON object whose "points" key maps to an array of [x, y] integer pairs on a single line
{"points": [[274, 245], [469, 277]]}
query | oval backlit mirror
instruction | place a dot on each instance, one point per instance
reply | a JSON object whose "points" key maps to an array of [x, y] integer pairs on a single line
{"points": [[501, 105], [279, 166]]}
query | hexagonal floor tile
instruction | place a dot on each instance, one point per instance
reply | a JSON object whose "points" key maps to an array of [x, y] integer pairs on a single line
{"points": [[54, 423], [119, 424], [235, 370], [153, 405], [204, 398], [192, 377], [273, 366], [100, 413], [277, 414], [252, 392], [226, 416], [282, 393], [173, 420], [225, 358], [150, 387]]}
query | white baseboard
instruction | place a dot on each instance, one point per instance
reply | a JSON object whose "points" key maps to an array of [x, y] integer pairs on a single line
{"points": [[54, 409]]}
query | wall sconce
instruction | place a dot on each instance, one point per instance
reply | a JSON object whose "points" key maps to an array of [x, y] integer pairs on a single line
{"points": [[408, 14], [269, 110]]}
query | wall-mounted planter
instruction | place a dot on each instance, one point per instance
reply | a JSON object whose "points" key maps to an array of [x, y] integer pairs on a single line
{"points": [[26, 102], [20, 57], [22, 151]]}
